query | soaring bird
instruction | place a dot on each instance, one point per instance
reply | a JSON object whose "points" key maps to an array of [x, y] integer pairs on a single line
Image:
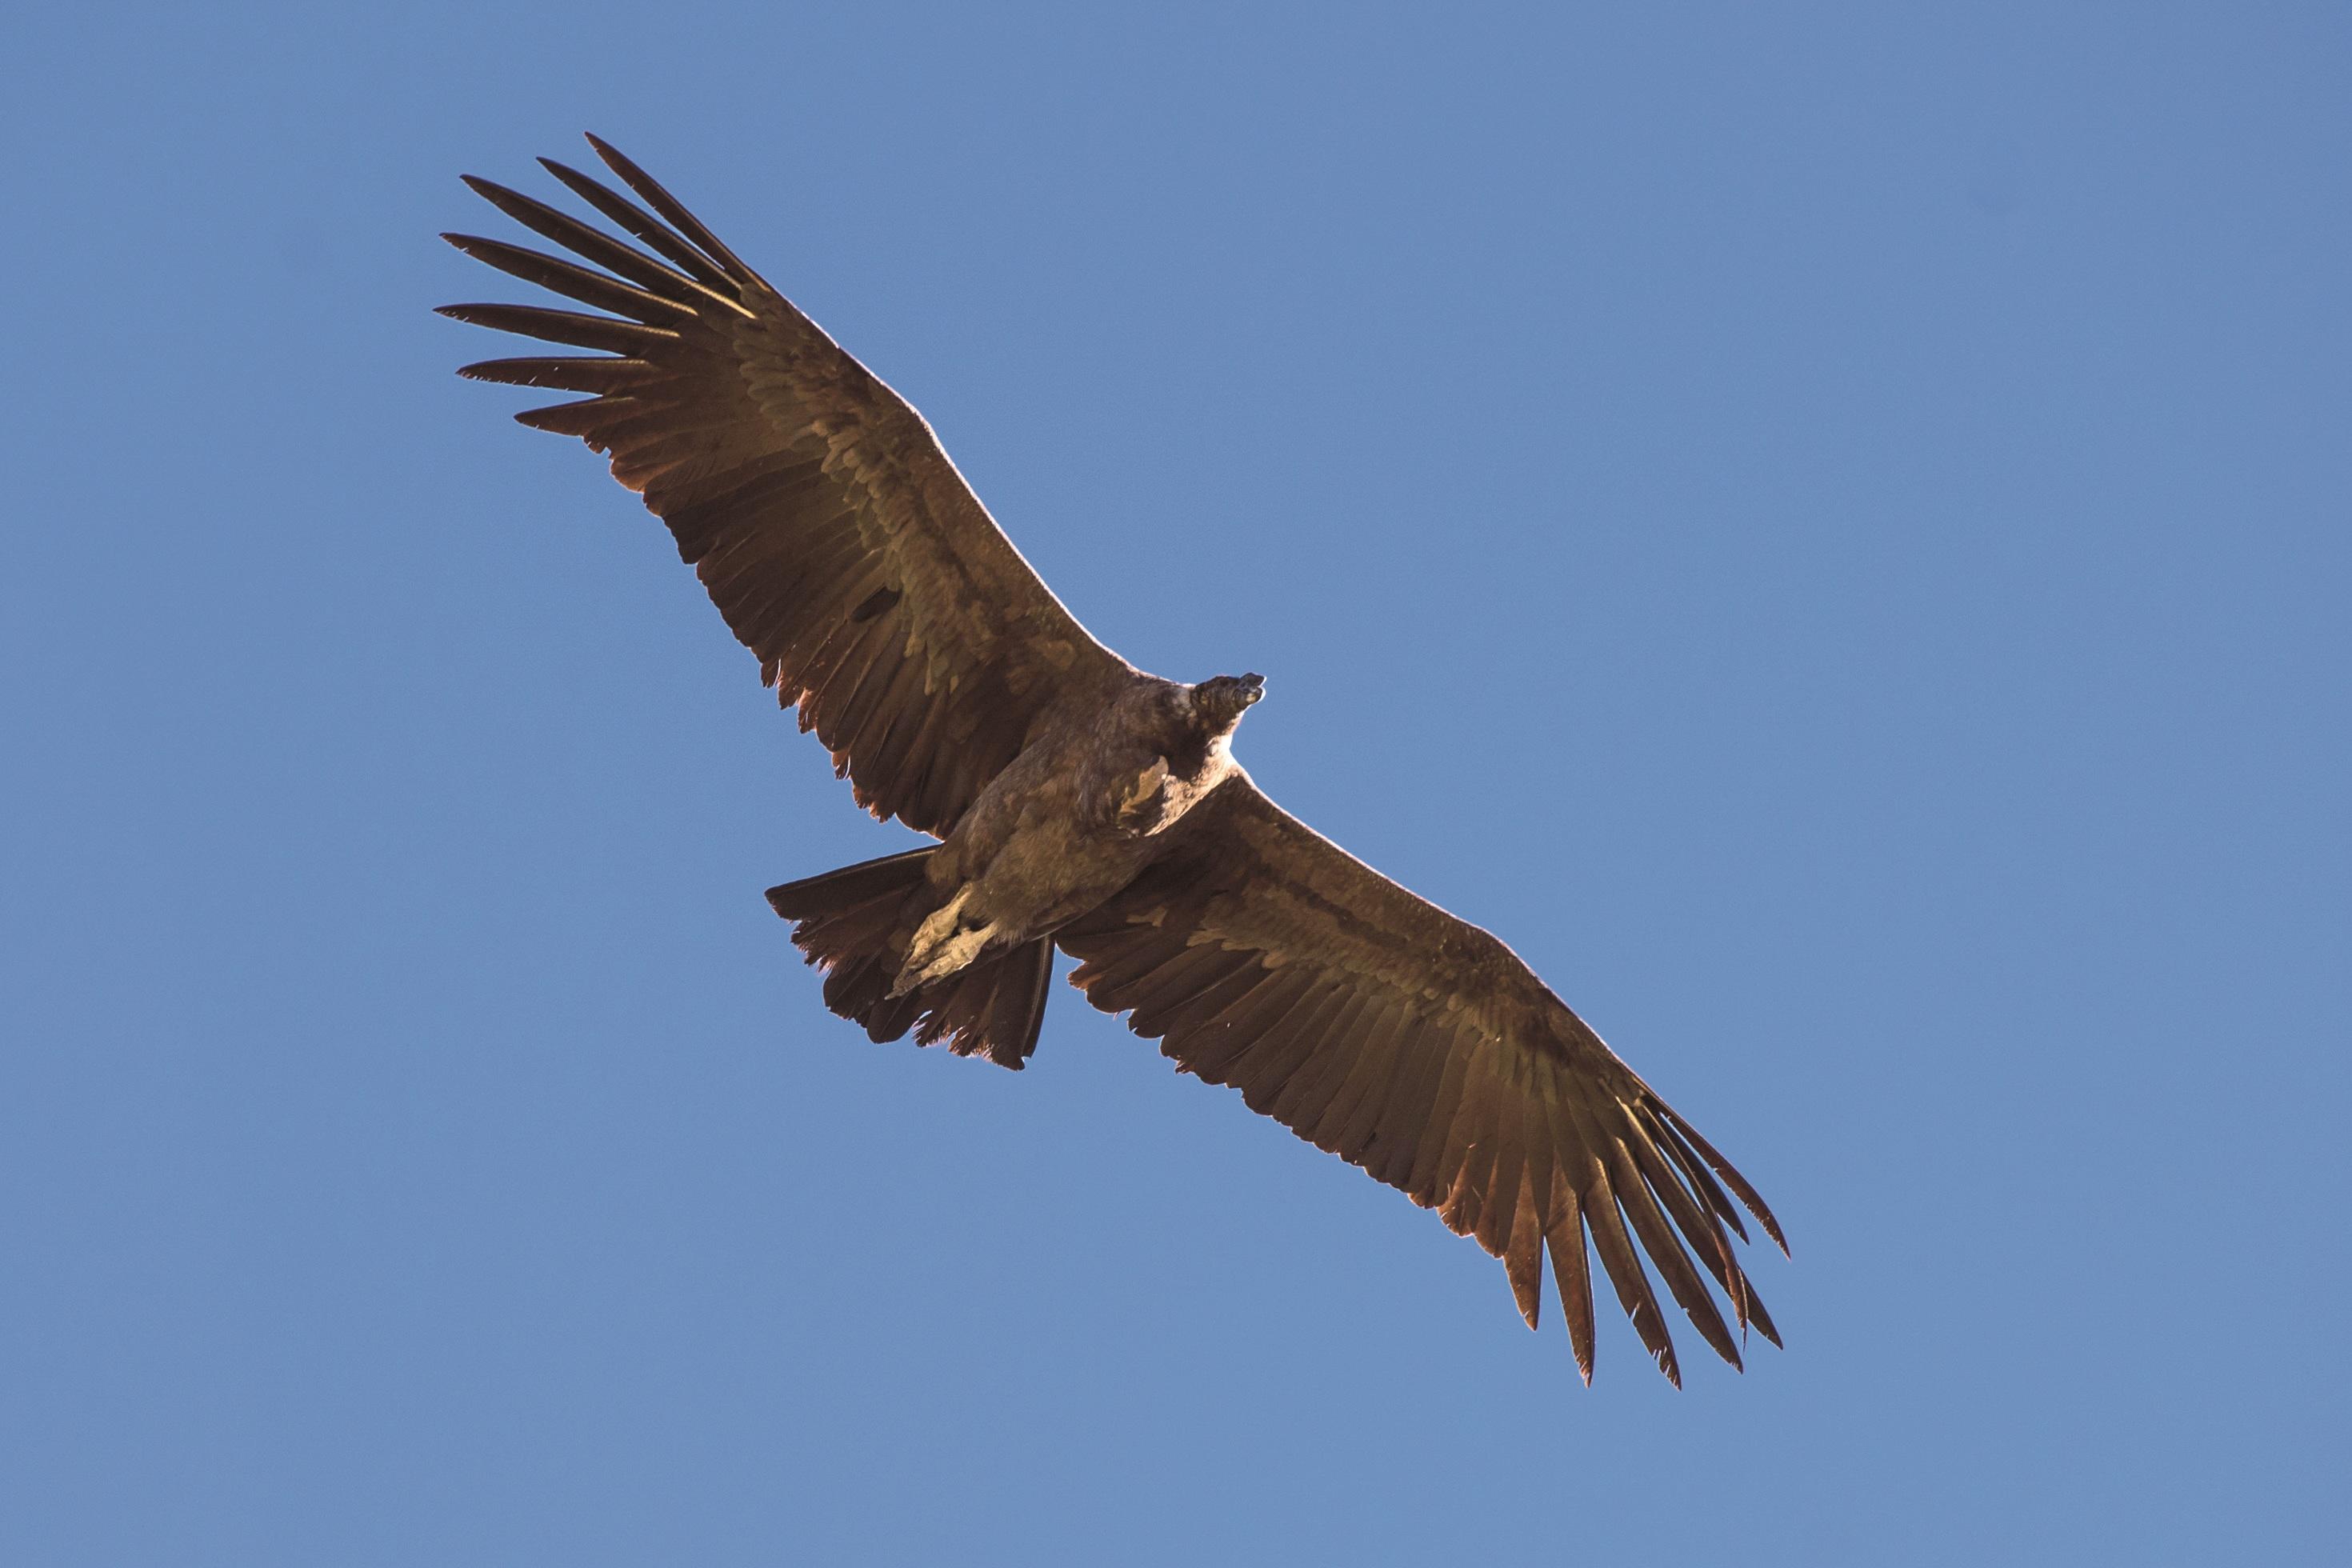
{"points": [[1081, 803]]}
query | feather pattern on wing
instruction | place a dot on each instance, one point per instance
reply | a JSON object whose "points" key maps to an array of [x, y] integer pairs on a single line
{"points": [[1415, 1045], [819, 511]]}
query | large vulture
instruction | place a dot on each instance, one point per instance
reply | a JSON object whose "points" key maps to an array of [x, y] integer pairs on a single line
{"points": [[1084, 804]]}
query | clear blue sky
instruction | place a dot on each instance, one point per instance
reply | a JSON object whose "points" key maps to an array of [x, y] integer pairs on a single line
{"points": [[1825, 527]]}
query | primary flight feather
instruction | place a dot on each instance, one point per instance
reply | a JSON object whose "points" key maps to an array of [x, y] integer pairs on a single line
{"points": [[1082, 804]]}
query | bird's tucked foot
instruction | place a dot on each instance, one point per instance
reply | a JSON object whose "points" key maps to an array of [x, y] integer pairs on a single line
{"points": [[944, 943]]}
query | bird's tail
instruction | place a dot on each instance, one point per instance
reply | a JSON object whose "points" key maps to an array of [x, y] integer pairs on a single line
{"points": [[856, 924]]}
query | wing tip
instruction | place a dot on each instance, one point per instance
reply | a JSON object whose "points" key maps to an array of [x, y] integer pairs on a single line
{"points": [[1531, 1304]]}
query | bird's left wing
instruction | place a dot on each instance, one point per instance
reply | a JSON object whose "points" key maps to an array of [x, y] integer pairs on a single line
{"points": [[828, 525], [1412, 1044]]}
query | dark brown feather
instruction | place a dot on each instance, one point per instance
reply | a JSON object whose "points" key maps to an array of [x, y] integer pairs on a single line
{"points": [[569, 277], [592, 245], [1535, 1220], [1308, 1088], [565, 374], [1346, 1121], [1267, 1070], [682, 221], [1731, 1177], [1694, 1170], [586, 418], [1239, 982], [582, 331], [1704, 1236], [1469, 1153], [1431, 1177], [643, 226], [1674, 1263], [1571, 1271], [1523, 1257], [1212, 1054], [1392, 1145], [1499, 1209], [1624, 1267]]}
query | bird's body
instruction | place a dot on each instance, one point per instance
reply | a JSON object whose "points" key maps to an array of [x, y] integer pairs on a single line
{"points": [[1083, 805], [1076, 817]]}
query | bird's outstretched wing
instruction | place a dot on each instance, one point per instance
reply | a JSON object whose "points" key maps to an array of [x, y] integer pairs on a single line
{"points": [[818, 509], [1407, 1041]]}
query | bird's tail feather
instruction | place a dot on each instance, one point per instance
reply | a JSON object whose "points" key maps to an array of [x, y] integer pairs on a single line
{"points": [[856, 923]]}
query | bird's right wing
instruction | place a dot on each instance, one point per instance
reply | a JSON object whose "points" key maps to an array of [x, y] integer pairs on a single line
{"points": [[831, 531], [1412, 1044]]}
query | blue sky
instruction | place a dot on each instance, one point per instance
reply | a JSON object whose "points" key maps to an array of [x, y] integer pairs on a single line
{"points": [[1826, 527]]}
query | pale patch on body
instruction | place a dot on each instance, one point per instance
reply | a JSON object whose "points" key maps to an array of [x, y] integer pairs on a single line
{"points": [[1140, 805], [1156, 798]]}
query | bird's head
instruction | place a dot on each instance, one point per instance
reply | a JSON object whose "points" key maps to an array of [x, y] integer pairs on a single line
{"points": [[1220, 702]]}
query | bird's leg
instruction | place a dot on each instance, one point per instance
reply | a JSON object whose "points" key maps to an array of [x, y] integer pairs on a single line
{"points": [[943, 944]]}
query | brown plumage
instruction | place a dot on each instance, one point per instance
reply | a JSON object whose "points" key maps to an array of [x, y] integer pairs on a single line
{"points": [[1082, 805]]}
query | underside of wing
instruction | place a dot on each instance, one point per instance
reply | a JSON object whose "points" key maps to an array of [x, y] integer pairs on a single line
{"points": [[816, 506], [1415, 1045]]}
